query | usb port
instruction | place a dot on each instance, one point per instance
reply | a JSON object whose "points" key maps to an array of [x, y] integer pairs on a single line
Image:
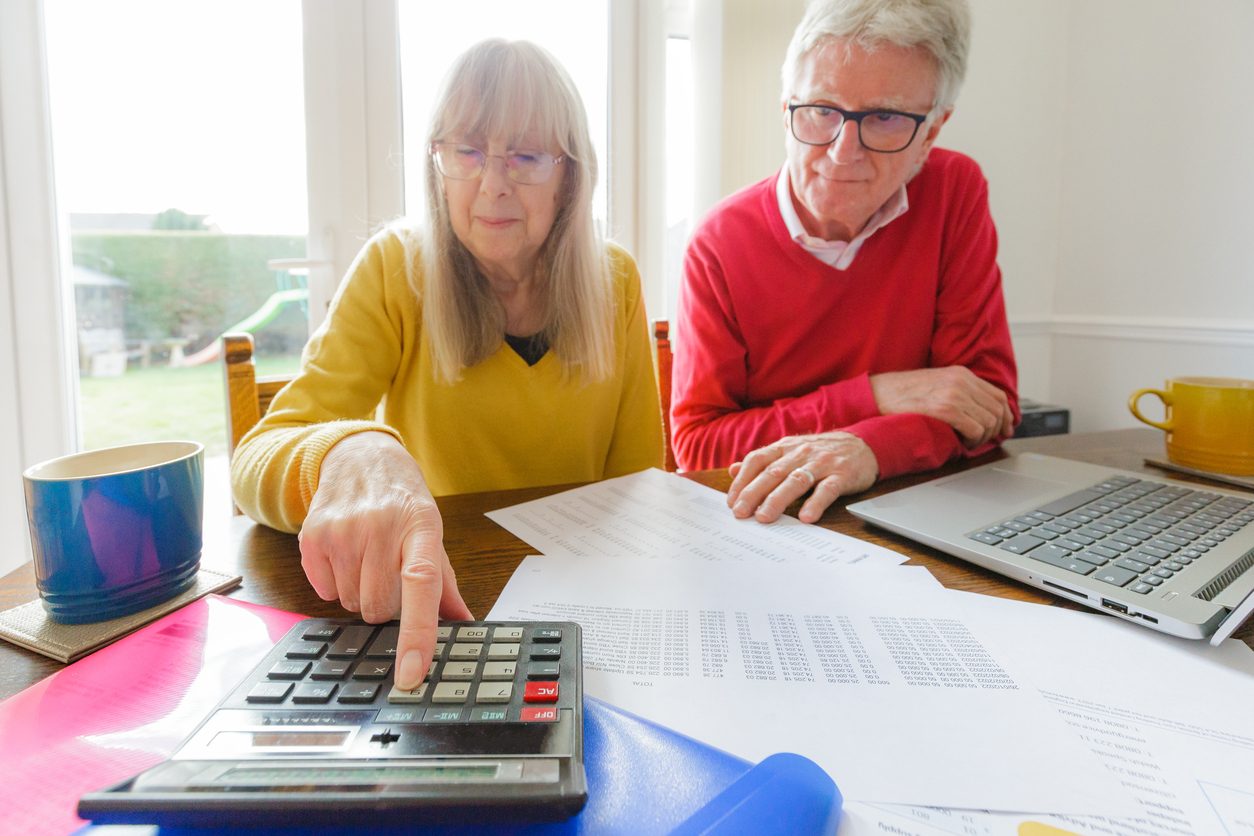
{"points": [[1114, 605]]}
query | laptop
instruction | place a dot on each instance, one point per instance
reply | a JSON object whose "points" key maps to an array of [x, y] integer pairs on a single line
{"points": [[1165, 554]]}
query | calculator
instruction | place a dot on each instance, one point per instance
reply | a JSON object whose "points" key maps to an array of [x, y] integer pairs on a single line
{"points": [[318, 728]]}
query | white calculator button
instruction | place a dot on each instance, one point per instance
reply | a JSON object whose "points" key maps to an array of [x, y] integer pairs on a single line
{"points": [[400, 695], [499, 650], [443, 633], [465, 651], [507, 634], [472, 634], [499, 670], [459, 670], [494, 692], [450, 692]]}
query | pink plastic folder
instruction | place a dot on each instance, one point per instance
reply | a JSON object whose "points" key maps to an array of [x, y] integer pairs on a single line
{"points": [[124, 708]]}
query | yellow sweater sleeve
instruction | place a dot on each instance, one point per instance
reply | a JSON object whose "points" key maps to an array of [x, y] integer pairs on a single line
{"points": [[345, 369]]}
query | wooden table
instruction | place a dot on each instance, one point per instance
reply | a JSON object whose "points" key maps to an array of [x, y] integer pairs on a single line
{"points": [[484, 555]]}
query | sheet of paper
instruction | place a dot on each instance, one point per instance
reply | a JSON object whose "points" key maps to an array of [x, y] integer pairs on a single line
{"points": [[124, 708], [657, 514], [872, 673], [1170, 718]]}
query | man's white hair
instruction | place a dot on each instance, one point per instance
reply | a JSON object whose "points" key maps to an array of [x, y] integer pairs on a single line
{"points": [[942, 27]]}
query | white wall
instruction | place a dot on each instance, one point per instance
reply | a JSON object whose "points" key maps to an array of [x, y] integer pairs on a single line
{"points": [[1124, 230], [1005, 118], [1156, 274]]}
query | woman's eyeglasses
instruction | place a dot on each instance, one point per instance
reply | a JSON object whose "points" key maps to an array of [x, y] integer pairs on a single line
{"points": [[466, 162]]}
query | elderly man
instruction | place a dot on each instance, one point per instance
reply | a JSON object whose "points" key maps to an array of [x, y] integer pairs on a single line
{"points": [[843, 321]]}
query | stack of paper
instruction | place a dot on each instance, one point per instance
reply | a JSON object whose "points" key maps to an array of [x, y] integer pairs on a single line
{"points": [[927, 706]]}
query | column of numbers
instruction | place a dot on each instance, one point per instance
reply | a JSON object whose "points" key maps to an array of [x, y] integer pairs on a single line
{"points": [[793, 664], [755, 654]]}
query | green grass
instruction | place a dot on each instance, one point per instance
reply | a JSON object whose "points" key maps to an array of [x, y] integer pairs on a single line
{"points": [[161, 403]]}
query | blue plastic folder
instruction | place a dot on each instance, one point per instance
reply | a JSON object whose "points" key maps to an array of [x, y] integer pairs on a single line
{"points": [[644, 778]]}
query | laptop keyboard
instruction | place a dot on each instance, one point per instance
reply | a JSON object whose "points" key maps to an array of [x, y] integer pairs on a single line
{"points": [[1131, 533]]}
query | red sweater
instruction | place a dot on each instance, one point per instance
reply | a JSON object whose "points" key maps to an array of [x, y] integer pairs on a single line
{"points": [[772, 342]]}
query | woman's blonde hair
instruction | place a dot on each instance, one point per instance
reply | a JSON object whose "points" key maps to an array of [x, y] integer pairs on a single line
{"points": [[510, 89]]}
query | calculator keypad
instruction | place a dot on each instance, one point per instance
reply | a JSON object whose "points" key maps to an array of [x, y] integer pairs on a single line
{"points": [[481, 673]]}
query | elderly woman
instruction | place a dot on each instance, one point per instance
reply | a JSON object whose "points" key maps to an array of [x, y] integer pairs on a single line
{"points": [[505, 340]]}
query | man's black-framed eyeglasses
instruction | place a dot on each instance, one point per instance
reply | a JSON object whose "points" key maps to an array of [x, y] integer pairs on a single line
{"points": [[884, 131]]}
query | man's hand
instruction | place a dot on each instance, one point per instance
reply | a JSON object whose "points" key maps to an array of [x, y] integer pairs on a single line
{"points": [[770, 478], [976, 409], [373, 538]]}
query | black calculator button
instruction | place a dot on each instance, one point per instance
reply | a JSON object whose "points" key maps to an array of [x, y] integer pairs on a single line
{"points": [[538, 714], [548, 653], [351, 643], [288, 669], [384, 644], [450, 692], [503, 650], [269, 692], [321, 632], [372, 670], [359, 692], [313, 692], [543, 670], [330, 670], [494, 692], [465, 652], [547, 635], [399, 715], [507, 634], [305, 650], [540, 692], [443, 715], [483, 714], [499, 670], [401, 695], [472, 634]]}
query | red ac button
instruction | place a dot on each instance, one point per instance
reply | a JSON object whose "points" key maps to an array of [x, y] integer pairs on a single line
{"points": [[540, 692]]}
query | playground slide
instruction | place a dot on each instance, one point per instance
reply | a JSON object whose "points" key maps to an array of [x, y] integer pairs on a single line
{"points": [[257, 319]]}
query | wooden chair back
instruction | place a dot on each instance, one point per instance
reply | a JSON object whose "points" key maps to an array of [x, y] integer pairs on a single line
{"points": [[662, 345], [247, 395]]}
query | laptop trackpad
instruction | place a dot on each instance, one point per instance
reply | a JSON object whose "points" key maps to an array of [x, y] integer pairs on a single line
{"points": [[1004, 487], [985, 495]]}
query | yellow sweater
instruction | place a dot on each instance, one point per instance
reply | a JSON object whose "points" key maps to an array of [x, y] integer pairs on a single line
{"points": [[503, 425]]}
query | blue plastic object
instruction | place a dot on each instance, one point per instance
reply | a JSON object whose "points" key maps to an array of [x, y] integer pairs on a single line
{"points": [[646, 779]]}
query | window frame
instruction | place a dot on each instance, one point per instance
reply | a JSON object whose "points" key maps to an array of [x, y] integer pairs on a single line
{"points": [[353, 138]]}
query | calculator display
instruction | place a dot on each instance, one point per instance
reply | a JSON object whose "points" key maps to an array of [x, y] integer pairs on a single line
{"points": [[318, 737], [359, 775]]}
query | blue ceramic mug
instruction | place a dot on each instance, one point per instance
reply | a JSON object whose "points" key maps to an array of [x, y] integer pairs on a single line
{"points": [[117, 530]]}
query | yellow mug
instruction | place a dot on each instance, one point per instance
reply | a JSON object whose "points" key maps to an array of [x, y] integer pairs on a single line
{"points": [[1209, 422]]}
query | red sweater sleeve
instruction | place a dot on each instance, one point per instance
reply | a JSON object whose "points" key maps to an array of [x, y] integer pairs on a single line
{"points": [[970, 330]]}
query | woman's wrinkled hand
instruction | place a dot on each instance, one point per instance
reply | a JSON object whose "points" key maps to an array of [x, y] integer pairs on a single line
{"points": [[373, 539]]}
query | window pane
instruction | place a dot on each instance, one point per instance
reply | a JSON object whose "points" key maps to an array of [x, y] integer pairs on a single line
{"points": [[679, 164], [433, 34], [178, 137]]}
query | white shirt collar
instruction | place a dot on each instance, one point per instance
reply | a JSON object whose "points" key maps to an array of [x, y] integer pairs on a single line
{"points": [[838, 254]]}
